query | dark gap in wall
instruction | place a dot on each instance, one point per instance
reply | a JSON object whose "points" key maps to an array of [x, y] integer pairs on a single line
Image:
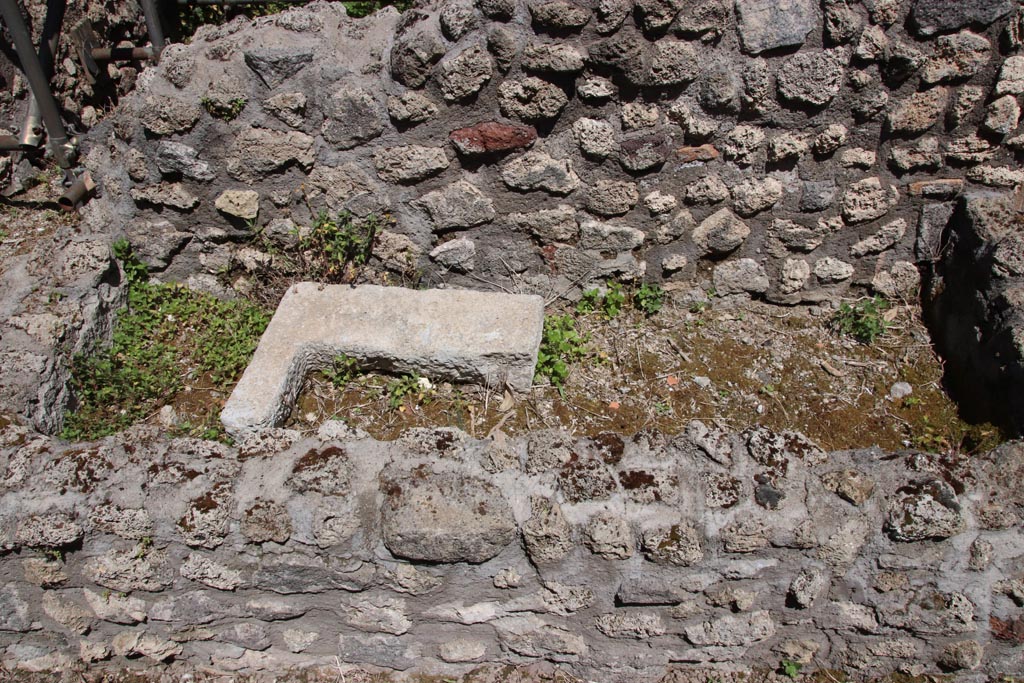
{"points": [[972, 326]]}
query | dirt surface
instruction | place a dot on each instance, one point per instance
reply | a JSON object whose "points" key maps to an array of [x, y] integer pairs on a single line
{"points": [[32, 214], [736, 362]]}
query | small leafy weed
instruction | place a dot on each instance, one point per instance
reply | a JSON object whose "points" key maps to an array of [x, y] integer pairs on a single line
{"points": [[589, 301], [609, 304], [135, 271], [789, 668], [863, 320], [649, 299], [614, 299], [55, 554], [405, 387], [560, 346], [142, 549], [344, 369], [333, 246], [699, 306]]}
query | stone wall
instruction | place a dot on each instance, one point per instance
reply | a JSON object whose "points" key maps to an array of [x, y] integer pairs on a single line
{"points": [[786, 151], [439, 553], [777, 149]]}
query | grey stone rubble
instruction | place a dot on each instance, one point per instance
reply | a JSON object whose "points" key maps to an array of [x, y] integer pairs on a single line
{"points": [[439, 553], [458, 335]]}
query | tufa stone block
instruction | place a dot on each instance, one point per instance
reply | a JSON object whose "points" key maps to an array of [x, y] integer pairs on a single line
{"points": [[455, 335]]}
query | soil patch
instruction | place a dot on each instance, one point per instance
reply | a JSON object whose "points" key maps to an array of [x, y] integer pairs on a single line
{"points": [[735, 362]]}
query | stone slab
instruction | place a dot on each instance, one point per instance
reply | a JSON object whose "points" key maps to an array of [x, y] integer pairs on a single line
{"points": [[769, 24], [456, 335]]}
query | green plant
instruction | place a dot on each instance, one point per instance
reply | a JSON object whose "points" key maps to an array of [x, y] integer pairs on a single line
{"points": [[649, 299], [863, 320], [589, 301], [699, 306], [614, 299], [167, 334], [560, 345], [790, 668], [610, 303], [406, 386], [135, 271], [226, 111], [142, 549], [54, 554], [931, 438], [343, 370], [334, 244]]}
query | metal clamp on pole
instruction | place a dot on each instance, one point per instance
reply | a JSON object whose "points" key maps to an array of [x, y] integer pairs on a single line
{"points": [[154, 28], [78, 193], [90, 55]]}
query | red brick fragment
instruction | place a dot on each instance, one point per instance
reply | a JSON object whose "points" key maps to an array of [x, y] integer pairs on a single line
{"points": [[702, 153], [491, 137]]}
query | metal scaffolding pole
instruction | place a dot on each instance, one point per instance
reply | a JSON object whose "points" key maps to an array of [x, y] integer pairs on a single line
{"points": [[38, 83]]}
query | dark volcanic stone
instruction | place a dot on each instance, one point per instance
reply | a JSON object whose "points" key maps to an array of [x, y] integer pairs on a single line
{"points": [[560, 16], [644, 152], [929, 17], [276, 65], [769, 24], [413, 57]]}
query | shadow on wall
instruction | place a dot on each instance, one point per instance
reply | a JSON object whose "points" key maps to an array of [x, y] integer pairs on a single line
{"points": [[972, 305]]}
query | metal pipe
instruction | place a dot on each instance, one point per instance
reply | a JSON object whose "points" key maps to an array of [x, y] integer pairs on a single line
{"points": [[122, 54], [77, 193], [51, 35], [32, 127], [37, 81], [9, 143], [153, 27]]}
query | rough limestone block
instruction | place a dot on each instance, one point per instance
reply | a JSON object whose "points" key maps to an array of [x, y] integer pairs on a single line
{"points": [[452, 334]]}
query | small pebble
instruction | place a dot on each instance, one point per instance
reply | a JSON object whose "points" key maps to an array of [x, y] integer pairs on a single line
{"points": [[168, 417], [899, 390]]}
